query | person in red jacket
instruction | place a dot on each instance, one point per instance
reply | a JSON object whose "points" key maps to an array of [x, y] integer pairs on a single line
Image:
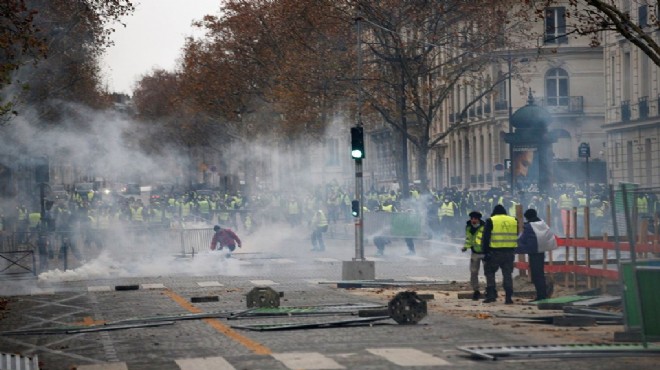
{"points": [[226, 237]]}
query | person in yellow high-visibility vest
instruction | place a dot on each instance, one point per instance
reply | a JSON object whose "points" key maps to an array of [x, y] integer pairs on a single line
{"points": [[319, 225], [473, 231], [499, 239]]}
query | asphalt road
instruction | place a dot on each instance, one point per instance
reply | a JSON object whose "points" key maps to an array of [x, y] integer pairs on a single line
{"points": [[88, 298]]}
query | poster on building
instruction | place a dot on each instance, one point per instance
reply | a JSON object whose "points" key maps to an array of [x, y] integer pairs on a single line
{"points": [[525, 165]]}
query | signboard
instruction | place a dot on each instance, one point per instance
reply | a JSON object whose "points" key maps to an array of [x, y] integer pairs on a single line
{"points": [[584, 151], [525, 167]]}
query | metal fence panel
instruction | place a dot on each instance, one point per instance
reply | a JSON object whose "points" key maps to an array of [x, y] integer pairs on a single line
{"points": [[395, 224]]}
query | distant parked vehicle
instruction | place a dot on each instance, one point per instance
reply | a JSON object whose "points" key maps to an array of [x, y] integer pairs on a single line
{"points": [[83, 187], [58, 192], [131, 189]]}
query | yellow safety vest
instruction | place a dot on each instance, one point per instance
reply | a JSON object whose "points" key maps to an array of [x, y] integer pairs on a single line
{"points": [[505, 232], [582, 202], [389, 208], [294, 208], [446, 209], [204, 206], [474, 240], [185, 208], [136, 214], [565, 202], [156, 215], [34, 218], [320, 219], [642, 205]]}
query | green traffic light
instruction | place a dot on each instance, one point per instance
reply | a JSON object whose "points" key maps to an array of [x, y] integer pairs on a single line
{"points": [[357, 142], [355, 208]]}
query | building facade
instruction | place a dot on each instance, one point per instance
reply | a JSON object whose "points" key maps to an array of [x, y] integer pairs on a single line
{"points": [[632, 97], [564, 75]]}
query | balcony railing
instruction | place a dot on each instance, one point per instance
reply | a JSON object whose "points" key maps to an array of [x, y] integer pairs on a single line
{"points": [[563, 104], [643, 106], [625, 111], [501, 105]]}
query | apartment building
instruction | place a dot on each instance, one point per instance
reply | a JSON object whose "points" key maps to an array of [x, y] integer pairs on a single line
{"points": [[564, 76], [632, 121]]}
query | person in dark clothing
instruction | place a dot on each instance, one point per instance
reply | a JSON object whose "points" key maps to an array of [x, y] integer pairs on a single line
{"points": [[226, 238], [380, 242], [473, 231], [498, 243], [536, 239]]}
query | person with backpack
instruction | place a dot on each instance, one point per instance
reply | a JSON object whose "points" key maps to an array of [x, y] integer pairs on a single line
{"points": [[536, 239]]}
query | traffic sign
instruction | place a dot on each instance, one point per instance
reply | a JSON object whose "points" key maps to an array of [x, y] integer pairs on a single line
{"points": [[584, 151]]}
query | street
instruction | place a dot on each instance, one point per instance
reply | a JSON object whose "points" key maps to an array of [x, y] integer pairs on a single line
{"points": [[303, 277]]}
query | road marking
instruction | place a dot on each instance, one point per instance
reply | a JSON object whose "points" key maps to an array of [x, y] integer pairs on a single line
{"points": [[306, 360], [316, 281], [106, 366], [204, 363], [282, 260], [152, 286], [209, 284], [326, 260], [422, 278], [248, 343], [416, 258], [408, 357], [99, 288], [264, 282]]}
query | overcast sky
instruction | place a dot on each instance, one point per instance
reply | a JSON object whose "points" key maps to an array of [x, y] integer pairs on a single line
{"points": [[153, 38]]}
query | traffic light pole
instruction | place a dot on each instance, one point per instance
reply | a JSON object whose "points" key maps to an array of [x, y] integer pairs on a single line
{"points": [[359, 229]]}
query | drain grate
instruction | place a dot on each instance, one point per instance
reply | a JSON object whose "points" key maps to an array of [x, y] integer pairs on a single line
{"points": [[565, 350], [11, 361]]}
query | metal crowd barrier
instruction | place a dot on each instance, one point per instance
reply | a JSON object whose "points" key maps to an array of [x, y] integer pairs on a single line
{"points": [[36, 252]]}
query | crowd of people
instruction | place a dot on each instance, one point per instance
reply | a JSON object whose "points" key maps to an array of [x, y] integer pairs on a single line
{"points": [[444, 211]]}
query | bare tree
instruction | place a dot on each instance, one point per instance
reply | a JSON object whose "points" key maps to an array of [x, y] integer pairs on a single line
{"points": [[593, 17], [419, 52]]}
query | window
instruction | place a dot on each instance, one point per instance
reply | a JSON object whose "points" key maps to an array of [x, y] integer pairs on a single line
{"points": [[556, 88], [642, 15], [555, 26]]}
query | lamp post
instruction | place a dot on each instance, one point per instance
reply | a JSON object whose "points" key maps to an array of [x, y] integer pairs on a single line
{"points": [[512, 178]]}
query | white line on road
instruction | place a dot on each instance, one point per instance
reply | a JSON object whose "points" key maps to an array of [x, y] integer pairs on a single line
{"points": [[205, 363], [152, 286], [106, 366], [282, 260], [326, 260], [422, 278], [99, 288], [209, 284], [408, 357], [306, 360], [263, 282]]}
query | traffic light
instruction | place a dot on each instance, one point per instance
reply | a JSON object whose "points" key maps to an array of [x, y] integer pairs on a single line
{"points": [[355, 208], [357, 142]]}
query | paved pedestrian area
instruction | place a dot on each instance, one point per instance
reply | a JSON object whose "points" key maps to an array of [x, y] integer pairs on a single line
{"points": [[47, 317]]}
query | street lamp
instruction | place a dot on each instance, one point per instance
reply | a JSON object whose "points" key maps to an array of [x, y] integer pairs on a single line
{"points": [[510, 126]]}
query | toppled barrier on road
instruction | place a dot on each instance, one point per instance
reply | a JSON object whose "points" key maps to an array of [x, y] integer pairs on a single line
{"points": [[405, 308], [263, 297]]}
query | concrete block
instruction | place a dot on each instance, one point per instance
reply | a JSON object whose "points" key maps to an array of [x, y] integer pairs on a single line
{"points": [[358, 270]]}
